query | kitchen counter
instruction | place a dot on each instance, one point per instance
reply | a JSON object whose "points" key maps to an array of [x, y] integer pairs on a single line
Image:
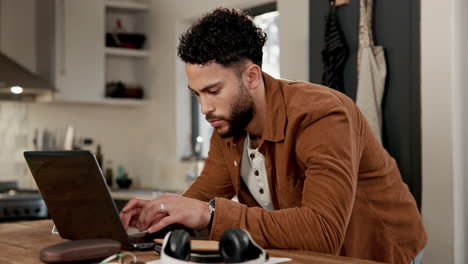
{"points": [[121, 196], [127, 194]]}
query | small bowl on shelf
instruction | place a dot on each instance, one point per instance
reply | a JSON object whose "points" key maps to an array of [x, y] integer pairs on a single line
{"points": [[124, 183], [125, 40]]}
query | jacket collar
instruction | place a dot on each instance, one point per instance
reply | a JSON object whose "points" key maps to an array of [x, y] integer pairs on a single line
{"points": [[276, 112], [275, 124]]}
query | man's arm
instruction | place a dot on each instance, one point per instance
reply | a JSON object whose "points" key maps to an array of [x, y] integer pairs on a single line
{"points": [[190, 209], [329, 150], [215, 180]]}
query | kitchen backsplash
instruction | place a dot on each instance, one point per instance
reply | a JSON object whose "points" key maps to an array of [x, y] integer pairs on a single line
{"points": [[117, 130], [15, 137]]}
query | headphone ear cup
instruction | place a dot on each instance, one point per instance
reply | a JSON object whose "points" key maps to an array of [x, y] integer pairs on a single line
{"points": [[234, 246], [178, 245]]}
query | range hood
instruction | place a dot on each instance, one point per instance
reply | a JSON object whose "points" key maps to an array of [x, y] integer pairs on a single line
{"points": [[27, 84]]}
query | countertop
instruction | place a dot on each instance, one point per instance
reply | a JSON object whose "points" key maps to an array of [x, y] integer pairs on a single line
{"points": [[21, 242]]}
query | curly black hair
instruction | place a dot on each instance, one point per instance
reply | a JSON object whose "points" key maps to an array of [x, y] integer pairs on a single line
{"points": [[225, 36]]}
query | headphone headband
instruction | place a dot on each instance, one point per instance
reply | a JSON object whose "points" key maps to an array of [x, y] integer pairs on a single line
{"points": [[236, 246]]}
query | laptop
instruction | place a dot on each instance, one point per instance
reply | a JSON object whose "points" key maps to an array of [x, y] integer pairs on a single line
{"points": [[78, 199]]}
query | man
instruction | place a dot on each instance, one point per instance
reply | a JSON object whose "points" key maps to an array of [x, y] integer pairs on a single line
{"points": [[301, 158]]}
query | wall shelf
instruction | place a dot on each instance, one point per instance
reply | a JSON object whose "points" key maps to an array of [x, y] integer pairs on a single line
{"points": [[123, 101], [106, 101], [129, 66], [127, 5], [127, 52]]}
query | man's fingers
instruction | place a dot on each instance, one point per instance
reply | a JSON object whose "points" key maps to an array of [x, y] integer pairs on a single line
{"points": [[133, 214], [134, 202], [127, 217], [168, 209], [169, 220], [129, 205], [151, 212], [147, 212], [133, 222], [156, 219]]}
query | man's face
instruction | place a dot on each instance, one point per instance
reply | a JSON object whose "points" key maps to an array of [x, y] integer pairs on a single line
{"points": [[223, 97]]}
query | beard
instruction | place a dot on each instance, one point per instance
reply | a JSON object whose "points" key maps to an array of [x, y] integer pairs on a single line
{"points": [[242, 112]]}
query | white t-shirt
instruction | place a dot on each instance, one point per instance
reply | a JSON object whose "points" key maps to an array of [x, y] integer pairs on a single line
{"points": [[254, 174]]}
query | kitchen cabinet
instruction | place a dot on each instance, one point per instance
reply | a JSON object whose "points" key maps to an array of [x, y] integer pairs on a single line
{"points": [[79, 52], [64, 42], [82, 65]]}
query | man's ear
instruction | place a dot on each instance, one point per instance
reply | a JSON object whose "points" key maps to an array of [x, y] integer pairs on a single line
{"points": [[254, 76]]}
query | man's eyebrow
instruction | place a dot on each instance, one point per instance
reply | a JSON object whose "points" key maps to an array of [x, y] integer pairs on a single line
{"points": [[191, 90], [209, 86]]}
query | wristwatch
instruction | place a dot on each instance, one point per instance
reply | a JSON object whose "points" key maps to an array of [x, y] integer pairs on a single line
{"points": [[211, 207]]}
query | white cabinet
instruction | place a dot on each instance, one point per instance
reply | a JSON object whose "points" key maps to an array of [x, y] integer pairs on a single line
{"points": [[79, 50], [64, 42], [82, 65]]}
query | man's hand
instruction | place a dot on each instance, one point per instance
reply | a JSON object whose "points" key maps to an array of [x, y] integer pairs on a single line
{"points": [[154, 215]]}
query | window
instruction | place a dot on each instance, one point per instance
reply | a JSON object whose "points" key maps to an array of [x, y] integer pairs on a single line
{"points": [[269, 21], [267, 18]]}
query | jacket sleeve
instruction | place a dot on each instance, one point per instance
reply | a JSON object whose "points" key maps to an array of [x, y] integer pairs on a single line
{"points": [[215, 180], [327, 147]]}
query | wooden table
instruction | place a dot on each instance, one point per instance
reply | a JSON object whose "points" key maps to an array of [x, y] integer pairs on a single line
{"points": [[21, 242]]}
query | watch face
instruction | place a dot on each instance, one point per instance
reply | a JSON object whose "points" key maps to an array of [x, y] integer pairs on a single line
{"points": [[211, 204]]}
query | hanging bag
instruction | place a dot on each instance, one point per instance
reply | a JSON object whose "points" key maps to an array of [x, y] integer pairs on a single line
{"points": [[372, 71]]}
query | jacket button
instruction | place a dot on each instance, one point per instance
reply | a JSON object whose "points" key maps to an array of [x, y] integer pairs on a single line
{"points": [[252, 155], [256, 172], [235, 163], [261, 191]]}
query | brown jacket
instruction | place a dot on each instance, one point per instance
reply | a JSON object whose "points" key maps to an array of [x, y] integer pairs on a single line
{"points": [[334, 188]]}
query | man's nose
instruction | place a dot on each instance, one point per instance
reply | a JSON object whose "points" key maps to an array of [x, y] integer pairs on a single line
{"points": [[206, 107]]}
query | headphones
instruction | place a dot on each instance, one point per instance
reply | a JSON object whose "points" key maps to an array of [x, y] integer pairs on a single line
{"points": [[235, 246]]}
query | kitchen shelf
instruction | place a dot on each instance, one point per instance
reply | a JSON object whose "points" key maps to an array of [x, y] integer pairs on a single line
{"points": [[127, 5], [108, 101], [127, 52], [124, 101], [129, 66]]}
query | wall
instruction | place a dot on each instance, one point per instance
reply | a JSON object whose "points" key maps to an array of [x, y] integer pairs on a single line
{"points": [[461, 35], [460, 75], [13, 43], [444, 125], [294, 39]]}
